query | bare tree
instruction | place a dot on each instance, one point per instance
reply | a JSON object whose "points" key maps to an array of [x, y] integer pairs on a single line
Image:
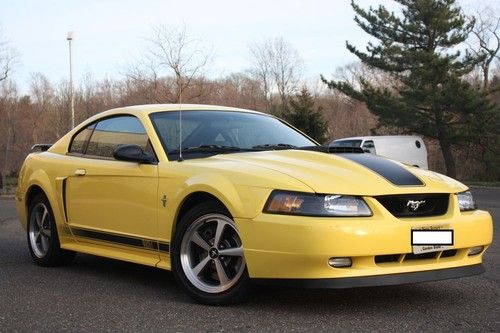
{"points": [[286, 69], [486, 33], [174, 50], [356, 72], [145, 76], [43, 96], [8, 106], [261, 54], [278, 66], [7, 57]]}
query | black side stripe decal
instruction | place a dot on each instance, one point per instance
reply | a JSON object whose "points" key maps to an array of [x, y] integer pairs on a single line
{"points": [[386, 168], [147, 244]]}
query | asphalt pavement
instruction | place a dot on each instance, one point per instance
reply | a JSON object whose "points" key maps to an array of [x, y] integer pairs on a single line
{"points": [[101, 295]]}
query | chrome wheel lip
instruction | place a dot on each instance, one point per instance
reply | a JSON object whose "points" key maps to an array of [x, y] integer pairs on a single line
{"points": [[39, 230], [192, 268]]}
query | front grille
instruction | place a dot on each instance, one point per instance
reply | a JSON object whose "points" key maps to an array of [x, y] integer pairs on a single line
{"points": [[420, 256], [387, 258], [415, 205], [448, 253], [400, 258]]}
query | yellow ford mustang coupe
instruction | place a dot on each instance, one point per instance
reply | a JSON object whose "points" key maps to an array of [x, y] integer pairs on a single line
{"points": [[224, 197]]}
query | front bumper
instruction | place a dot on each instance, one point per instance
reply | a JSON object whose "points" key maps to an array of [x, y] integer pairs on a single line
{"points": [[378, 280], [298, 247]]}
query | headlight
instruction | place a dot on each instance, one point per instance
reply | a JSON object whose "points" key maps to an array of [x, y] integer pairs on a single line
{"points": [[466, 201], [296, 203]]}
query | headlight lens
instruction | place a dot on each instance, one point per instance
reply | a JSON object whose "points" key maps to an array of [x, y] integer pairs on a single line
{"points": [[466, 201], [297, 203]]}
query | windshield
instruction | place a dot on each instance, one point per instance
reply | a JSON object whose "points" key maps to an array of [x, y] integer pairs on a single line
{"points": [[228, 131], [346, 143]]}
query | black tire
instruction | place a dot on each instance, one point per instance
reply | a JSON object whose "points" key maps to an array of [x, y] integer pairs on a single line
{"points": [[240, 285], [49, 253]]}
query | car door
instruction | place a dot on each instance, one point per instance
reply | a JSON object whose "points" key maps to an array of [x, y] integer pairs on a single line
{"points": [[110, 201]]}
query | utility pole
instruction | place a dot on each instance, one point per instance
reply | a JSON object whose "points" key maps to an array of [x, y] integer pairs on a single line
{"points": [[69, 38]]}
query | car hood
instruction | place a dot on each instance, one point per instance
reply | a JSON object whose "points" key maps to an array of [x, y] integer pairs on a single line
{"points": [[348, 173]]}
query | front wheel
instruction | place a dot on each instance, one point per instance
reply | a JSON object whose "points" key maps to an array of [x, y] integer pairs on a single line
{"points": [[207, 256]]}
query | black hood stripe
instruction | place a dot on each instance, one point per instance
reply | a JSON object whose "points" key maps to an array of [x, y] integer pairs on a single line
{"points": [[391, 171]]}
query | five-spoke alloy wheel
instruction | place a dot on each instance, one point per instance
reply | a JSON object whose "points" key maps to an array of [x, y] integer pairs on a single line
{"points": [[39, 230], [43, 240], [208, 257]]}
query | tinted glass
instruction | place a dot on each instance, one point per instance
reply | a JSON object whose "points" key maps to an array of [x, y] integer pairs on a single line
{"points": [[115, 131], [224, 128], [346, 143], [368, 144], [80, 140]]}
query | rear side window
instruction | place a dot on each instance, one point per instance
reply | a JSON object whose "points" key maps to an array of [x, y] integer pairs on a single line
{"points": [[346, 143], [80, 140], [111, 132]]}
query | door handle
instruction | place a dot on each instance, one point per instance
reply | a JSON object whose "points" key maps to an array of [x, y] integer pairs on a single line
{"points": [[80, 172]]}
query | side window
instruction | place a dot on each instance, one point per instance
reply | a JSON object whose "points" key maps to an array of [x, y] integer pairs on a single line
{"points": [[80, 140], [369, 146], [111, 132]]}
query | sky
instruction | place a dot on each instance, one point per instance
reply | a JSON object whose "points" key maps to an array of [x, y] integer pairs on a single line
{"points": [[110, 35]]}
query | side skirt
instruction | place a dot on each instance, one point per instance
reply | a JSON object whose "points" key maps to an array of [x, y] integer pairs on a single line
{"points": [[121, 247]]}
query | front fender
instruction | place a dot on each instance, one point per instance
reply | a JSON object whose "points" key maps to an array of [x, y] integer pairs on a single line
{"points": [[242, 201]]}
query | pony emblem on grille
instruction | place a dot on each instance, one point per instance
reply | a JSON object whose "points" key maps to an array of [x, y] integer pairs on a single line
{"points": [[414, 204]]}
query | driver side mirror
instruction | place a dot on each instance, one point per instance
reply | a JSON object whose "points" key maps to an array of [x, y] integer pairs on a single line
{"points": [[133, 153]]}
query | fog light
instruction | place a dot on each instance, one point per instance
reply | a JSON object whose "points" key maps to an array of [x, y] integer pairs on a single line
{"points": [[340, 262], [475, 250]]}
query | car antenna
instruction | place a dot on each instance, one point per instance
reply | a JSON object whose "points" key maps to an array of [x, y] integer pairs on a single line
{"points": [[180, 124]]}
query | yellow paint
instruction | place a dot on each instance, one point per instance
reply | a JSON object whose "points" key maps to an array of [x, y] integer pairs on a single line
{"points": [[125, 198]]}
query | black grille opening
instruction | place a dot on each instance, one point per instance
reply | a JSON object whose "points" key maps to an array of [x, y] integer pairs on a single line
{"points": [[415, 205], [448, 253], [420, 256], [386, 258]]}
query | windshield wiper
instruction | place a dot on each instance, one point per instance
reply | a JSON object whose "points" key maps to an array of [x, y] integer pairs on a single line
{"points": [[274, 146], [216, 149]]}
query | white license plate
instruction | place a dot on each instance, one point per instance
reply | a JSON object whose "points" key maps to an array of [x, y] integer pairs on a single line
{"points": [[417, 249], [424, 241]]}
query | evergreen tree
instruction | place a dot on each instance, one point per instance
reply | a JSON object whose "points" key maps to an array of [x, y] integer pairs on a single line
{"points": [[305, 117], [427, 94]]}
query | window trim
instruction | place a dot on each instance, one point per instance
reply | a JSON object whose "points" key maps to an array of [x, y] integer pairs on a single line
{"points": [[87, 139]]}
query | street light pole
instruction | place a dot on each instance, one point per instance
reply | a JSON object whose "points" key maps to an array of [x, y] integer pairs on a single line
{"points": [[69, 38]]}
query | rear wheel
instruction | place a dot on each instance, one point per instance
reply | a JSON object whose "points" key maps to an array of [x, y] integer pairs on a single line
{"points": [[43, 240], [207, 256]]}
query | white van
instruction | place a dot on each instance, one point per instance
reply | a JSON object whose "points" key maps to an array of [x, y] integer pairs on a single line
{"points": [[407, 149]]}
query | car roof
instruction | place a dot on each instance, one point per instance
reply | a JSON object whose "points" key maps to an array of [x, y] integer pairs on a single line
{"points": [[151, 108]]}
